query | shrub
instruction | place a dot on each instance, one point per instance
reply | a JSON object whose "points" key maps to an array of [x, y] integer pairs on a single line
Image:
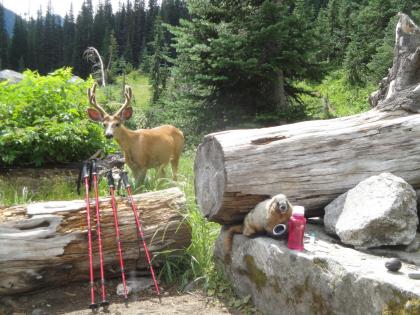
{"points": [[43, 120]]}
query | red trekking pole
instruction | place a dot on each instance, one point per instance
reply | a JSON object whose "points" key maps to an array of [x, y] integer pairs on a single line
{"points": [[117, 230], [104, 302], [85, 174], [140, 233]]}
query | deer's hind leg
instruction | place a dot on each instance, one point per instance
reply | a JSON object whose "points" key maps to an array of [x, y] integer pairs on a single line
{"points": [[161, 171], [174, 165]]}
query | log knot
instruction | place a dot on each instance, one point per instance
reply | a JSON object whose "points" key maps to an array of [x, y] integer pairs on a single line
{"points": [[267, 140]]}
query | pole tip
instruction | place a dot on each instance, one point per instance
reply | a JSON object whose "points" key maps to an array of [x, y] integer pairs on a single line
{"points": [[104, 303], [93, 306]]}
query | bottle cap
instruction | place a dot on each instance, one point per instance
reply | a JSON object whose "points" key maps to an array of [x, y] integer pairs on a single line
{"points": [[298, 210]]}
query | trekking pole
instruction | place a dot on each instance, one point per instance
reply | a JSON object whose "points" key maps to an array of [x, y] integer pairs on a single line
{"points": [[104, 302], [117, 229], [85, 175], [139, 228]]}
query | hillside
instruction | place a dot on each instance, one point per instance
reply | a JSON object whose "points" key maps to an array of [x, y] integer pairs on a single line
{"points": [[9, 20]]}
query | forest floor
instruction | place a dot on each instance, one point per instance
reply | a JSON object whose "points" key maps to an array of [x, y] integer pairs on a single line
{"points": [[74, 299]]}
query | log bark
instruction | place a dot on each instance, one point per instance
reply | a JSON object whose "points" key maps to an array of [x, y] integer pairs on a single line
{"points": [[45, 244], [313, 162]]}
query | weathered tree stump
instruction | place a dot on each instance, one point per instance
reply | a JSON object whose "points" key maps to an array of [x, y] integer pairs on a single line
{"points": [[45, 244], [313, 162]]}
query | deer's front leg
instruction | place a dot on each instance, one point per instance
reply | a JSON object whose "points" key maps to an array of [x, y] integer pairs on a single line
{"points": [[139, 176], [161, 171]]}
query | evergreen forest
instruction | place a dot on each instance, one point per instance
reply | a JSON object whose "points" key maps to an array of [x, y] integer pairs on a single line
{"points": [[216, 64]]}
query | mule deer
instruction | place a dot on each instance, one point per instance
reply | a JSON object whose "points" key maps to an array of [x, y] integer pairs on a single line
{"points": [[143, 148]]}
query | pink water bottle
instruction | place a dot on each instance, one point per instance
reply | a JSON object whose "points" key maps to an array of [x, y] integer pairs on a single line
{"points": [[297, 224]]}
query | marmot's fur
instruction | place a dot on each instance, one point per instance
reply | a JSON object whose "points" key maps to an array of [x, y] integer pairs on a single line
{"points": [[262, 219]]}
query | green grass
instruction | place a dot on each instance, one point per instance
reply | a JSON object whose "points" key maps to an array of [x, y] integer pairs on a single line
{"points": [[196, 262], [21, 190], [344, 98]]}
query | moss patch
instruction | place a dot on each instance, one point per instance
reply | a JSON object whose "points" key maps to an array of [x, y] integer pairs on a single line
{"points": [[255, 274], [402, 306], [321, 263]]}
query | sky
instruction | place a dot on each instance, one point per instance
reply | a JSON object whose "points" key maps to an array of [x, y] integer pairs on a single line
{"points": [[60, 7]]}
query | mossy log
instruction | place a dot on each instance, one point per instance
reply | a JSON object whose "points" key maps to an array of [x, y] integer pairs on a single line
{"points": [[313, 162], [45, 244]]}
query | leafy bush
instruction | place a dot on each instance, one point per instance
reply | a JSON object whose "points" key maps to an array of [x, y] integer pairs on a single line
{"points": [[43, 120]]}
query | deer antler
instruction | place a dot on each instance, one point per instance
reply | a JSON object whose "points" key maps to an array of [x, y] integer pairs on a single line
{"points": [[92, 100], [128, 93]]}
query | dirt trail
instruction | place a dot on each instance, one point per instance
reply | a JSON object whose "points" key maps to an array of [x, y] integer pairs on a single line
{"points": [[74, 299]]}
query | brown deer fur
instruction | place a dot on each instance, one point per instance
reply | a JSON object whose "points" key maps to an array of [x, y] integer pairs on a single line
{"points": [[143, 148]]}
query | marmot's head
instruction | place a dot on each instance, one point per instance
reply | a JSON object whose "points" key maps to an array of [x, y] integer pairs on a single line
{"points": [[280, 204]]}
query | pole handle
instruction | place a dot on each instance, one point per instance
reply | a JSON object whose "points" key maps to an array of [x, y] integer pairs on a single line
{"points": [[110, 179], [94, 166], [85, 170], [124, 178]]}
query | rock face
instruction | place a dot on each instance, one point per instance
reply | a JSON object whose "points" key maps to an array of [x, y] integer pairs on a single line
{"points": [[326, 278], [381, 210], [10, 75]]}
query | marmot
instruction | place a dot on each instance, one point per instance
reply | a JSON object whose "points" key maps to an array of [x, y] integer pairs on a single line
{"points": [[262, 219]]}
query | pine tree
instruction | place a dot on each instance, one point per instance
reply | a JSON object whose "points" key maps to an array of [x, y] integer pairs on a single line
{"points": [[18, 48], [83, 38], [51, 42], [69, 29], [367, 33], [245, 55], [120, 28], [159, 67], [4, 38], [99, 27], [112, 57], [139, 40], [152, 12], [129, 34]]}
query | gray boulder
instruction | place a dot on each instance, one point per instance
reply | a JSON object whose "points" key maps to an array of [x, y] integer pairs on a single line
{"points": [[381, 210], [11, 76], [325, 278]]}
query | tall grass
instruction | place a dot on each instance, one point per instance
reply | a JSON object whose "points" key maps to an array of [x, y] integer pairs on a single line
{"points": [[196, 262]]}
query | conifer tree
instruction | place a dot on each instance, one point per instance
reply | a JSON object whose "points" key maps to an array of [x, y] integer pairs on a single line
{"points": [[152, 12], [18, 48], [158, 67], [139, 40], [235, 57], [3, 40], [83, 38], [69, 28], [51, 42]]}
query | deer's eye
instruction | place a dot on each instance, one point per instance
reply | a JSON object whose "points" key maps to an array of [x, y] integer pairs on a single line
{"points": [[117, 124]]}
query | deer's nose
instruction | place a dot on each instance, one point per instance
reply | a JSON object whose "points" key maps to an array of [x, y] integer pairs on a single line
{"points": [[108, 135]]}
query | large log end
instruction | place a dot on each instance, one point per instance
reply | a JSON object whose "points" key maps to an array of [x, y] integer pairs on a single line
{"points": [[214, 201], [210, 176]]}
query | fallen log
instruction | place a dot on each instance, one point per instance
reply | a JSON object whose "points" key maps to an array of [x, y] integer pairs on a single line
{"points": [[313, 162], [45, 244]]}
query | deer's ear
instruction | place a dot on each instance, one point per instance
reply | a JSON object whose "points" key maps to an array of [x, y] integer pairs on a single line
{"points": [[94, 114], [127, 113]]}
